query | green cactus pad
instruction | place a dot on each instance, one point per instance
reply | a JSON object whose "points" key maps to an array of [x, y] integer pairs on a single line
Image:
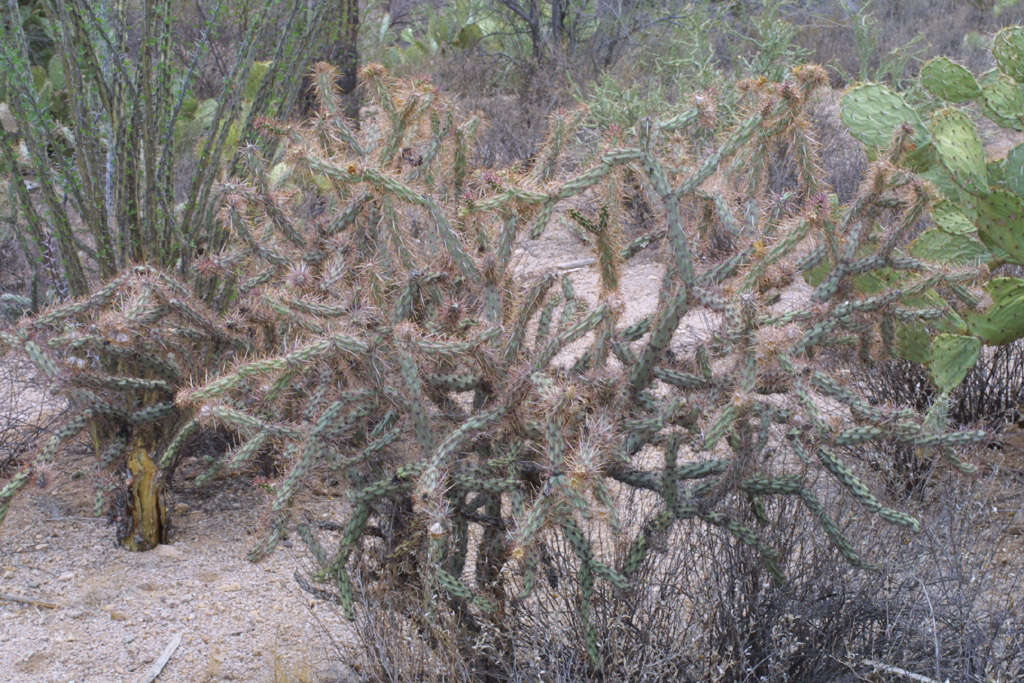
{"points": [[1008, 49], [993, 87], [943, 180], [911, 342], [1001, 222], [1003, 322], [951, 219], [951, 322], [872, 112], [951, 357], [959, 147], [943, 247], [996, 177], [949, 81], [1013, 170], [921, 160], [1004, 96], [876, 281]]}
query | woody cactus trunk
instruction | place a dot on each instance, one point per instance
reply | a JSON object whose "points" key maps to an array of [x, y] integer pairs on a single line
{"points": [[368, 322]]}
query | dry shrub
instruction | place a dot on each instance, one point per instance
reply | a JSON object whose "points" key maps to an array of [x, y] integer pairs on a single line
{"points": [[704, 608], [990, 394], [926, 27], [843, 158], [28, 414]]}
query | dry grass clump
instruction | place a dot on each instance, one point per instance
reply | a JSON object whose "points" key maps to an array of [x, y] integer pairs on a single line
{"points": [[891, 38]]}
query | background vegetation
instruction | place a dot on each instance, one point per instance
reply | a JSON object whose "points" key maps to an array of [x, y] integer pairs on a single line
{"points": [[218, 248]]}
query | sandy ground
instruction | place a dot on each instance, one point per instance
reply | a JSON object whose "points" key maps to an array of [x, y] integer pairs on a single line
{"points": [[105, 614]]}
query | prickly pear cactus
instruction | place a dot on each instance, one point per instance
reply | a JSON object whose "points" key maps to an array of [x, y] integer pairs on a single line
{"points": [[979, 217], [873, 113]]}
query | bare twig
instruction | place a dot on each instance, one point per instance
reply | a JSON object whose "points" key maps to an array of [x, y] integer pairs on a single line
{"points": [[898, 671], [28, 601], [575, 265], [158, 666]]}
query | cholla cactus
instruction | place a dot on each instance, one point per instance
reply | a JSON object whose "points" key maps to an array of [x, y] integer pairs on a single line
{"points": [[391, 343], [119, 357], [459, 402]]}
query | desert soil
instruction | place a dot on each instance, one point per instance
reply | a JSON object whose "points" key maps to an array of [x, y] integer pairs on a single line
{"points": [[105, 614]]}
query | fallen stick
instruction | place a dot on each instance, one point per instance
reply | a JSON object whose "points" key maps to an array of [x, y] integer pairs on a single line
{"points": [[159, 664], [573, 265], [28, 601], [889, 669]]}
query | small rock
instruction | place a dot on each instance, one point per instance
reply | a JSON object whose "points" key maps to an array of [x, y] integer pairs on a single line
{"points": [[168, 551], [181, 508], [41, 546], [336, 673], [229, 587], [119, 616], [66, 576]]}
